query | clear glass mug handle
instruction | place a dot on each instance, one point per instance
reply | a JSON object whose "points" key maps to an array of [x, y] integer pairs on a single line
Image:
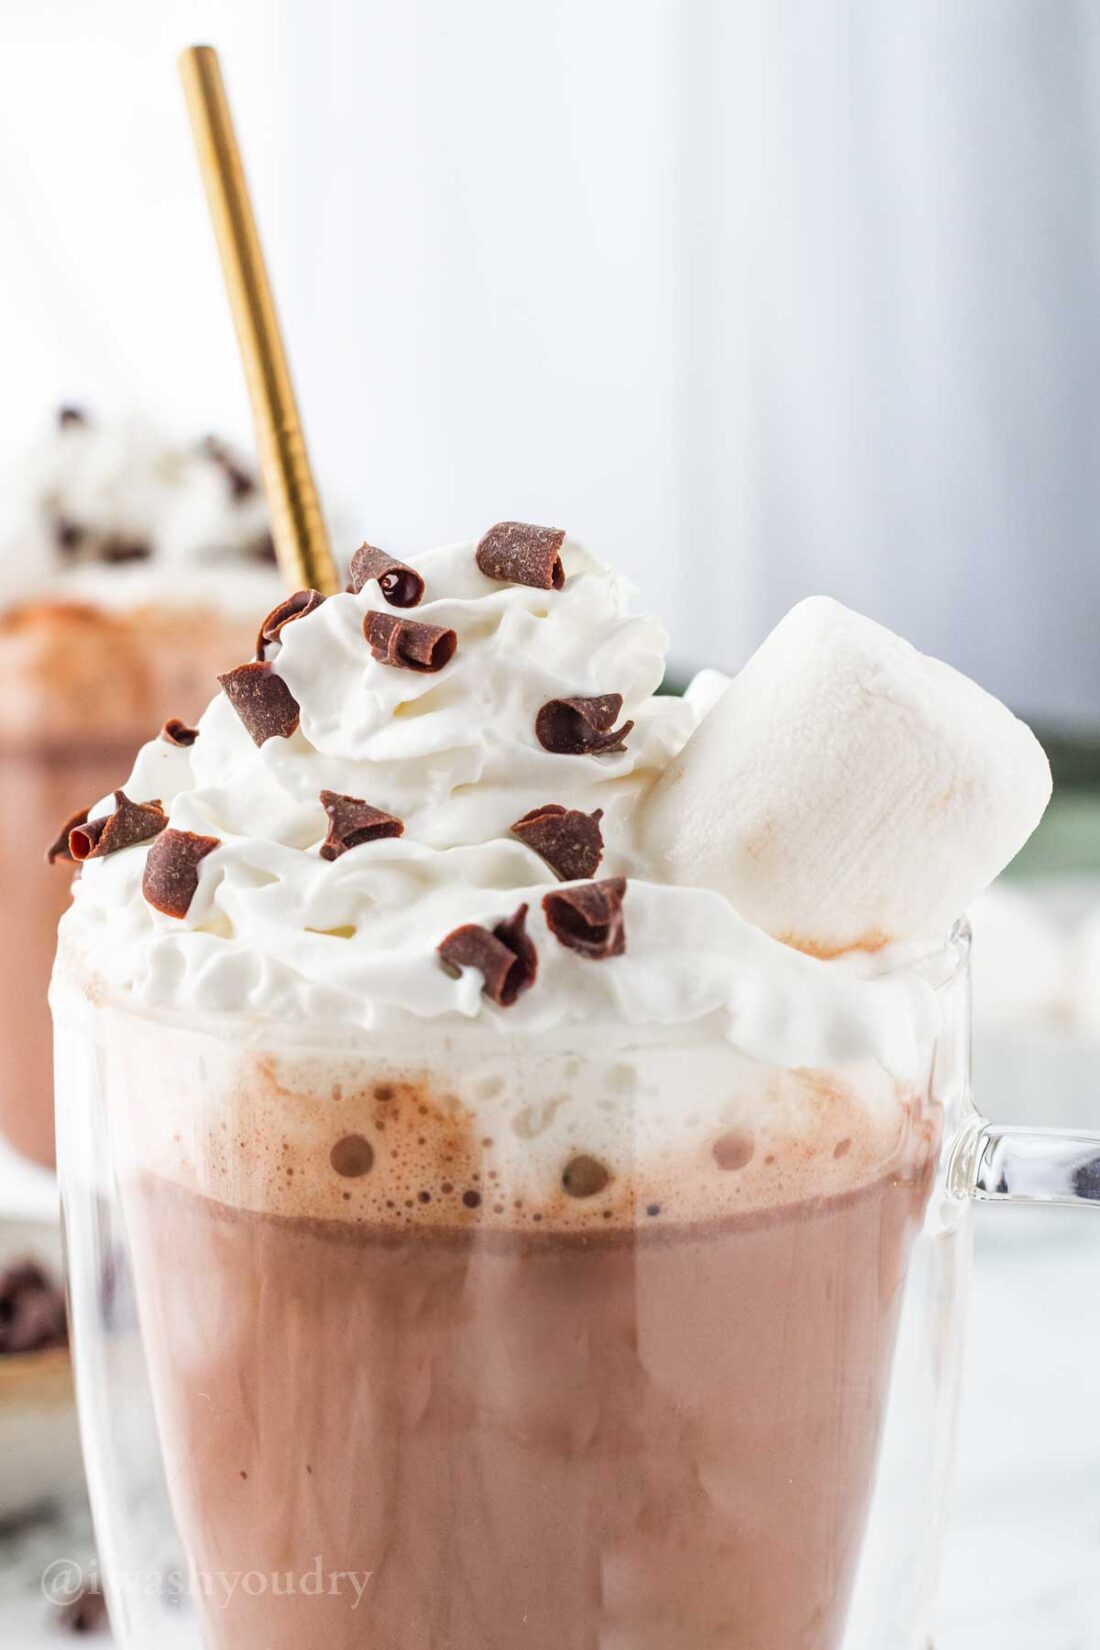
{"points": [[993, 1164]]}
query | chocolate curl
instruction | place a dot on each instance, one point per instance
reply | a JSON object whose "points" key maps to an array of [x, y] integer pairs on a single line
{"points": [[172, 870], [402, 586], [518, 554], [129, 824], [570, 842], [242, 484], [351, 822], [589, 918], [407, 645], [506, 957], [175, 732], [294, 607], [68, 535], [59, 847], [582, 727], [262, 700], [69, 418], [117, 548], [262, 549]]}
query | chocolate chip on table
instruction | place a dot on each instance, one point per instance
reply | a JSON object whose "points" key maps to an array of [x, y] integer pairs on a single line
{"points": [[569, 841], [171, 875], [516, 553], [589, 918], [352, 821], [582, 727], [32, 1309], [294, 607], [86, 1612], [262, 700], [407, 645], [129, 824], [505, 956], [175, 732], [401, 585], [59, 847]]}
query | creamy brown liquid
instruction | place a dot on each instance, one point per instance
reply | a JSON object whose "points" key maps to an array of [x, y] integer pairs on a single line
{"points": [[80, 690], [38, 792], [650, 1439]]}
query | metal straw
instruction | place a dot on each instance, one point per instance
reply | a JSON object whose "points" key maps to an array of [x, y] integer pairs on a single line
{"points": [[301, 540]]}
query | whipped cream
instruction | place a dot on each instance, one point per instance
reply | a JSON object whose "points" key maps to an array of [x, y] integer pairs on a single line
{"points": [[93, 493], [277, 932]]}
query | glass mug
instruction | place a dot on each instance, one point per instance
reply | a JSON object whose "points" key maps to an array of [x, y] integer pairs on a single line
{"points": [[345, 1381]]}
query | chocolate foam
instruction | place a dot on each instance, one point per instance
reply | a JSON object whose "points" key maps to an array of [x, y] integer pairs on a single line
{"points": [[668, 1135]]}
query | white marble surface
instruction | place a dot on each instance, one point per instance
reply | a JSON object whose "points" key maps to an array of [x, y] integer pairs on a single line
{"points": [[1022, 1566]]}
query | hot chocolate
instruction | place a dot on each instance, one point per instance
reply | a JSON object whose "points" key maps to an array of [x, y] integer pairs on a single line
{"points": [[590, 1418], [519, 1233]]}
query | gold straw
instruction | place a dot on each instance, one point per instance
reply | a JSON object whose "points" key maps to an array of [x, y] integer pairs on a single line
{"points": [[298, 526]]}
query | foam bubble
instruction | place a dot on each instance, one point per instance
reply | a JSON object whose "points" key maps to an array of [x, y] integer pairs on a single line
{"points": [[465, 1135]]}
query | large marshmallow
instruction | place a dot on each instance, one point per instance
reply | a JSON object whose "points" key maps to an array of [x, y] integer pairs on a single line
{"points": [[846, 791]]}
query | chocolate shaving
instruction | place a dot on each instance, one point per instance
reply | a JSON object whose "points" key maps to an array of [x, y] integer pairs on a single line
{"points": [[570, 842], [130, 823], [70, 417], [505, 956], [402, 586], [589, 918], [407, 645], [262, 700], [172, 870], [117, 548], [352, 822], [582, 727], [242, 484], [68, 535], [175, 732], [518, 554], [263, 550], [59, 847], [294, 607]]}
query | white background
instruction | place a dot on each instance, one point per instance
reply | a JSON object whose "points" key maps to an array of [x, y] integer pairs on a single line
{"points": [[758, 296]]}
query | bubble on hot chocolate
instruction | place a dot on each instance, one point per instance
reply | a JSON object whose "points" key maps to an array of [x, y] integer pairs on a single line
{"points": [[108, 509], [484, 758]]}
